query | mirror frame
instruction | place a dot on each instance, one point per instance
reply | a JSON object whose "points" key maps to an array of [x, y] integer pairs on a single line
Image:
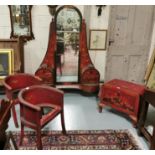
{"points": [[25, 37], [80, 15], [71, 7]]}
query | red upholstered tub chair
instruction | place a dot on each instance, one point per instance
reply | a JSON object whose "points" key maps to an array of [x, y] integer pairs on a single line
{"points": [[14, 83], [33, 100]]}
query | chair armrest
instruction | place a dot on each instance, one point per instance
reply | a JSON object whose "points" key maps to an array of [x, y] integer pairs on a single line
{"points": [[58, 96], [25, 103], [6, 85], [59, 92]]}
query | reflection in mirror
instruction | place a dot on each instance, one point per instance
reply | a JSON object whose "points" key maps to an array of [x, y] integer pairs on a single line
{"points": [[68, 23], [21, 21]]}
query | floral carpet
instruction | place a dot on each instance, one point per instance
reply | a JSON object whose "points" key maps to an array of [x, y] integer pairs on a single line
{"points": [[80, 140]]}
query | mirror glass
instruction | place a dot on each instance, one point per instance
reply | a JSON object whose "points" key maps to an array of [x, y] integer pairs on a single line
{"points": [[68, 24], [21, 21]]}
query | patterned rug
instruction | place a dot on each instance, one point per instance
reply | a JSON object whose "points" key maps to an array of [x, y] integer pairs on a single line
{"points": [[80, 140]]}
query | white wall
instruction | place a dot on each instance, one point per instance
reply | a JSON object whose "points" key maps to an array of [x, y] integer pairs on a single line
{"points": [[35, 49], [152, 47], [99, 22], [5, 23]]}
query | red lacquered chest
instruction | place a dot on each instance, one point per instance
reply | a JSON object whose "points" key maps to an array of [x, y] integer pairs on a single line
{"points": [[123, 96]]}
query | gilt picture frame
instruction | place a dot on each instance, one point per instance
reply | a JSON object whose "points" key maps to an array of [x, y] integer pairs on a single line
{"points": [[97, 39], [6, 62]]}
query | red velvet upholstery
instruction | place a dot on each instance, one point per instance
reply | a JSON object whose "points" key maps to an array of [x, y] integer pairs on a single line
{"points": [[33, 100], [14, 83]]}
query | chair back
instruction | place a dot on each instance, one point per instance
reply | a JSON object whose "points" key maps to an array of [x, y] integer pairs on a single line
{"points": [[21, 80], [34, 97]]}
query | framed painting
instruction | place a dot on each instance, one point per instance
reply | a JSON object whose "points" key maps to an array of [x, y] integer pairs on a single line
{"points": [[6, 62], [97, 39]]}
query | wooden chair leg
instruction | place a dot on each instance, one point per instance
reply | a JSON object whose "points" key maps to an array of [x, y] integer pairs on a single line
{"points": [[21, 134], [39, 142], [152, 147], [142, 117], [100, 107], [63, 122], [14, 116], [3, 139], [134, 121]]}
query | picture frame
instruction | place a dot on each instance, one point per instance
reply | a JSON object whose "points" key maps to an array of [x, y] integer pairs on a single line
{"points": [[97, 39], [21, 22], [6, 62]]}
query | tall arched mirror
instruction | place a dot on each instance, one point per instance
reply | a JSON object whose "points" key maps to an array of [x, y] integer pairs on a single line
{"points": [[68, 25], [67, 63]]}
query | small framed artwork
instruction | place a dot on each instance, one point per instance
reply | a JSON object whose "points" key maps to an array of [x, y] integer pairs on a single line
{"points": [[6, 62], [97, 39]]}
